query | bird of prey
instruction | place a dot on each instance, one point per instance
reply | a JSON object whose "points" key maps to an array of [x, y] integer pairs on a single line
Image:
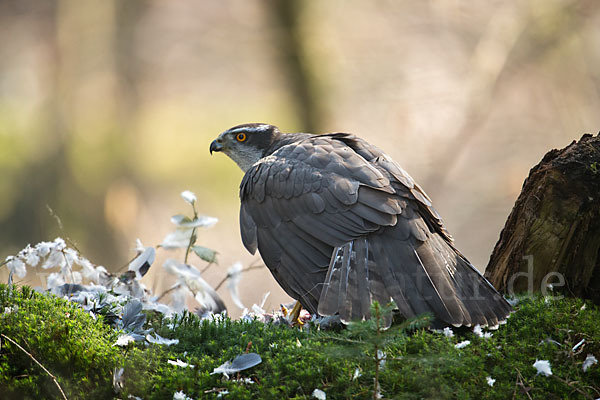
{"points": [[340, 225]]}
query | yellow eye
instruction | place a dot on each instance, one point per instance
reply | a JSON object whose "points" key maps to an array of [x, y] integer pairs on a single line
{"points": [[241, 137]]}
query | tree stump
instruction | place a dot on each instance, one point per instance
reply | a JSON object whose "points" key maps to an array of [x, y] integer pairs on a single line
{"points": [[552, 235]]}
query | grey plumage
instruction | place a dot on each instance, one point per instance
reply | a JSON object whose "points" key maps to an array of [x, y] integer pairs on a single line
{"points": [[340, 224]]}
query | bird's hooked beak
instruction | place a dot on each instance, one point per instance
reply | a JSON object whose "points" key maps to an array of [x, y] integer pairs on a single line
{"points": [[216, 145]]}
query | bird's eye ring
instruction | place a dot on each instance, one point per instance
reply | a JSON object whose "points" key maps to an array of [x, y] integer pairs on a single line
{"points": [[241, 137]]}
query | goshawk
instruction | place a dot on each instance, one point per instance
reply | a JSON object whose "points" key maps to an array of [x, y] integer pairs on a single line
{"points": [[340, 225]]}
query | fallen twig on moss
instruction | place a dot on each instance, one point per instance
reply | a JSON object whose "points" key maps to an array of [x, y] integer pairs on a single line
{"points": [[37, 362]]}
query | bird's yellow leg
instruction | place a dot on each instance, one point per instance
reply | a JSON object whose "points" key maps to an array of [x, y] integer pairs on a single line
{"points": [[294, 317]]}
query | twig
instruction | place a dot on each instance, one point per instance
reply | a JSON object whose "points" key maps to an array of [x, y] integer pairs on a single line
{"points": [[569, 384], [192, 236], [122, 269], [37, 362], [52, 214], [594, 389], [520, 378], [190, 244], [69, 265], [250, 268], [210, 264], [72, 244], [168, 291], [516, 384]]}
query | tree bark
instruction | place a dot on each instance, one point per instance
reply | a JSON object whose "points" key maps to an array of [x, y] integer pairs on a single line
{"points": [[552, 235]]}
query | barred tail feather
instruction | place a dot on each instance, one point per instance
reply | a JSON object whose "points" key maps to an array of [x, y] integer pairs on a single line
{"points": [[420, 276]]}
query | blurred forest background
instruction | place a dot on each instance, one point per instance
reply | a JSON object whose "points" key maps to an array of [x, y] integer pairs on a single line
{"points": [[107, 108]]}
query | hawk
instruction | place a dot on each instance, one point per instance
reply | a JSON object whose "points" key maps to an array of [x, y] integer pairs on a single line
{"points": [[340, 225]]}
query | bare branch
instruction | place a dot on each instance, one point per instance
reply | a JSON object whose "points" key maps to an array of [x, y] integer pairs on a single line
{"points": [[168, 291], [250, 268]]}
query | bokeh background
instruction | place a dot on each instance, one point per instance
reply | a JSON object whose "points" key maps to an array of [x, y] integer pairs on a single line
{"points": [[107, 108]]}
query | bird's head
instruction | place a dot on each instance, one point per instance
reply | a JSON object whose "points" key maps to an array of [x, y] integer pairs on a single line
{"points": [[245, 144]]}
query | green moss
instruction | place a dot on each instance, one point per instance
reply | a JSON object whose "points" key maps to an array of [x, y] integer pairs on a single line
{"points": [[78, 350], [62, 337]]}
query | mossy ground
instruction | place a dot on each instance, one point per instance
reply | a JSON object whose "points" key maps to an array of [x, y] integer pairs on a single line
{"points": [[79, 351]]}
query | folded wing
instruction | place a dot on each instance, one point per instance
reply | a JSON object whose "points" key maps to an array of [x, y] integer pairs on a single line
{"points": [[340, 225]]}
